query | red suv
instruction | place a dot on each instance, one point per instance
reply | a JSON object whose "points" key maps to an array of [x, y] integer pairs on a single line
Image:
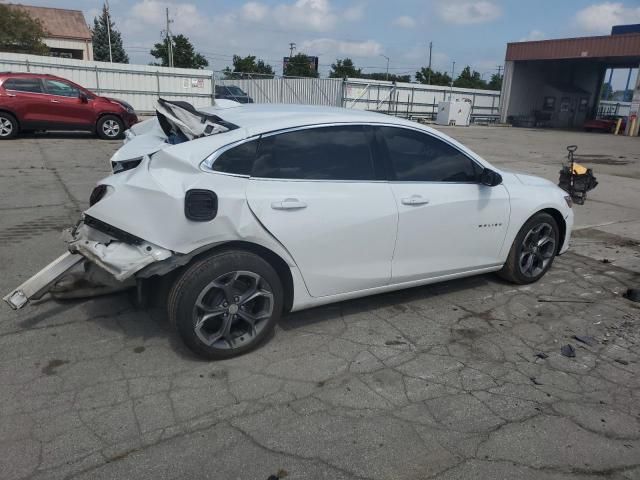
{"points": [[31, 101]]}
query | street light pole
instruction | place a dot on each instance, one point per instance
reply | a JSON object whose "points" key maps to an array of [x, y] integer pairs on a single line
{"points": [[387, 65], [109, 31], [430, 49]]}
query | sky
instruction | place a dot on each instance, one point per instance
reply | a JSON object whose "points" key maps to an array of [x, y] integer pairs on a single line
{"points": [[469, 32]]}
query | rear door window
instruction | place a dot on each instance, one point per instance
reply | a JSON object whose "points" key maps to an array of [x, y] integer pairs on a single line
{"points": [[237, 160], [321, 153], [418, 157], [32, 85]]}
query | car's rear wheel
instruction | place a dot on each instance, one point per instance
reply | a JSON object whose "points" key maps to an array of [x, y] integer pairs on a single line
{"points": [[533, 250], [110, 127], [8, 126], [226, 304]]}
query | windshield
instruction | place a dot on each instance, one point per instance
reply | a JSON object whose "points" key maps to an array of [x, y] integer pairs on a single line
{"points": [[233, 90]]}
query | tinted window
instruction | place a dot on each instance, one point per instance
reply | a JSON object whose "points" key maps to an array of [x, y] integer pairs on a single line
{"points": [[329, 153], [238, 160], [23, 85], [63, 89], [417, 156]]}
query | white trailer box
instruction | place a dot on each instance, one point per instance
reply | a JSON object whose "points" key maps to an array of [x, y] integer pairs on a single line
{"points": [[454, 113]]}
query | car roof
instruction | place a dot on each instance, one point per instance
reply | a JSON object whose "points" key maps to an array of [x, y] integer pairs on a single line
{"points": [[27, 75], [266, 117]]}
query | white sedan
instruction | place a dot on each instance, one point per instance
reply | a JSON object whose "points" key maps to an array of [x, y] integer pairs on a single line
{"points": [[250, 212]]}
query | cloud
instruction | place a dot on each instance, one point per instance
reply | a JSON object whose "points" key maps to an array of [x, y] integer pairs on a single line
{"points": [[599, 18], [315, 15], [466, 13], [353, 13], [254, 11], [404, 21], [533, 35], [325, 46], [185, 16]]}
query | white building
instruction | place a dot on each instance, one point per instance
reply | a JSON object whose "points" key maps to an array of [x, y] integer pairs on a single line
{"points": [[68, 35]]}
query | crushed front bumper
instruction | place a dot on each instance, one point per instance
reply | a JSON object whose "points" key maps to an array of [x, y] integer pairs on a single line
{"points": [[120, 260]]}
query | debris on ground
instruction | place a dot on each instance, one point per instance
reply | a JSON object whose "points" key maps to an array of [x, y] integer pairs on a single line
{"points": [[542, 355], [568, 351], [621, 362], [394, 342], [605, 260], [586, 339], [633, 294]]}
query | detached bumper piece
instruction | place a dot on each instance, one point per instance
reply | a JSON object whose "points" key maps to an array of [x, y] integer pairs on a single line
{"points": [[100, 260], [41, 282]]}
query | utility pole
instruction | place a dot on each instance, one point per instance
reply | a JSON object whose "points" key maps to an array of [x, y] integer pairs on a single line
{"points": [[453, 69], [499, 70], [387, 65], [109, 30], [292, 47], [169, 41], [430, 50]]}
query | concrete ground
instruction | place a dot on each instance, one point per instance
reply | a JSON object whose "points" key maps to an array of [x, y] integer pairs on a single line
{"points": [[459, 380]]}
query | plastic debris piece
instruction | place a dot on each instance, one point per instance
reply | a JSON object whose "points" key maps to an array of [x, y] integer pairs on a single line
{"points": [[534, 381], [633, 294], [586, 339], [542, 355], [621, 362], [568, 351]]}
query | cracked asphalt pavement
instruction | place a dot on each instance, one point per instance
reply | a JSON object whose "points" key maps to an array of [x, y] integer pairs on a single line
{"points": [[461, 380]]}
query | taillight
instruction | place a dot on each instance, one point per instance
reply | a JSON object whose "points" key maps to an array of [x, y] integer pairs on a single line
{"points": [[98, 193], [200, 205]]}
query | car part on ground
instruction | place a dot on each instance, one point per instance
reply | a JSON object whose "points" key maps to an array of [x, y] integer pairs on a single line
{"points": [[272, 214]]}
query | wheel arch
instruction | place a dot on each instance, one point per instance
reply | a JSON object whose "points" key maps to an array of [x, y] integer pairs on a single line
{"points": [[13, 114], [276, 261], [560, 221], [104, 114]]}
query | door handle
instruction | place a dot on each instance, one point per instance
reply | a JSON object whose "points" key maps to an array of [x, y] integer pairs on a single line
{"points": [[414, 200], [289, 204], [54, 101]]}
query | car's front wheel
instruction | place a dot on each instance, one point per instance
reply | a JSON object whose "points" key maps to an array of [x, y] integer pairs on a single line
{"points": [[533, 250], [226, 304], [8, 126], [110, 127]]}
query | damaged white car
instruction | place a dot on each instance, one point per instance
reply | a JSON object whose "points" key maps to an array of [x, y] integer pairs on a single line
{"points": [[249, 212]]}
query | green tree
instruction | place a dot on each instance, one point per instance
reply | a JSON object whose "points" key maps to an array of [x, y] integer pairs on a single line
{"points": [[184, 55], [383, 76], [344, 68], [248, 65], [100, 38], [300, 66], [20, 33], [437, 78], [495, 83], [469, 79]]}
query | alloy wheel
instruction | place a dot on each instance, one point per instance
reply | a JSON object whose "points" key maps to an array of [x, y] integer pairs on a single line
{"points": [[230, 311], [6, 127], [537, 250], [111, 128]]}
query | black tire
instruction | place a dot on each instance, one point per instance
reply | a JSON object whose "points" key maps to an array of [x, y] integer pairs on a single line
{"points": [[200, 283], [8, 126], [110, 127], [516, 267]]}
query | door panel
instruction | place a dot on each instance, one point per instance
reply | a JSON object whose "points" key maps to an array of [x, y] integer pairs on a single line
{"points": [[66, 108], [448, 222], [27, 98], [340, 234], [447, 228]]}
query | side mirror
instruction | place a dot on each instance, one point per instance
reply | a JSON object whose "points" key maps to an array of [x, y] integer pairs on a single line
{"points": [[83, 98], [490, 178]]}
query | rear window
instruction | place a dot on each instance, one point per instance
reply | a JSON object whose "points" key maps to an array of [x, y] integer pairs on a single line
{"points": [[33, 85]]}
